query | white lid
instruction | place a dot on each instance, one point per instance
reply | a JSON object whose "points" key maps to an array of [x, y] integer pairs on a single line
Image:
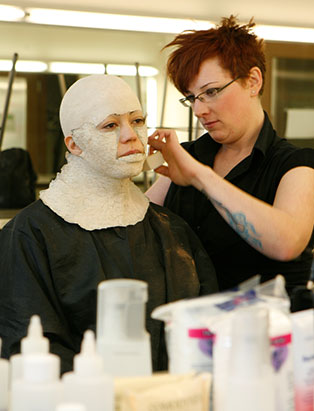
{"points": [[71, 406], [128, 291], [41, 367], [88, 363], [34, 342], [121, 309]]}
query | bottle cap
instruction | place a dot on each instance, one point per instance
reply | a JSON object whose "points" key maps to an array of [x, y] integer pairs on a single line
{"points": [[88, 363], [34, 342], [121, 310]]}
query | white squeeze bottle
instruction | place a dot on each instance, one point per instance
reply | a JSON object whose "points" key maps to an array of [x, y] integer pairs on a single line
{"points": [[39, 388], [250, 383], [88, 384], [33, 343], [122, 339], [4, 382]]}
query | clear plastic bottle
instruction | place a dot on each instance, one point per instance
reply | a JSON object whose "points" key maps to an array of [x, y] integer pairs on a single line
{"points": [[40, 386], [250, 383], [88, 384], [4, 383], [34, 342], [122, 339]]}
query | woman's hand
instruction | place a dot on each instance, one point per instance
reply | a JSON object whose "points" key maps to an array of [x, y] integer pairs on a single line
{"points": [[182, 167]]}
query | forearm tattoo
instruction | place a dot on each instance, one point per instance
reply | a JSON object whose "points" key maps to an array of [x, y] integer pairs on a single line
{"points": [[240, 225]]}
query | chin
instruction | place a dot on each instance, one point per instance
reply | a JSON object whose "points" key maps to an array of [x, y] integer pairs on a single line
{"points": [[127, 170]]}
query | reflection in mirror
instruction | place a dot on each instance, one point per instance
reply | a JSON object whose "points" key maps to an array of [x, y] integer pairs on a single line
{"points": [[293, 96], [15, 128]]}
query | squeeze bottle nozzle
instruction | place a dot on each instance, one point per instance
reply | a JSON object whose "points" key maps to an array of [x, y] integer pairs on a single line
{"points": [[88, 363], [35, 342]]}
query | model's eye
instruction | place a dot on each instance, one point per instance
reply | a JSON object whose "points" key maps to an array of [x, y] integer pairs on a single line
{"points": [[140, 121], [109, 126]]}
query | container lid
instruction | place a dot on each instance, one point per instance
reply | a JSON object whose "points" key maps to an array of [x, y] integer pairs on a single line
{"points": [[34, 342], [88, 363], [122, 291]]}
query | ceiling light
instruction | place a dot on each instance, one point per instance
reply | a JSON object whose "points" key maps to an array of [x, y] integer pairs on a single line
{"points": [[130, 70], [281, 33], [10, 13], [114, 69], [112, 21], [76, 68], [24, 66]]}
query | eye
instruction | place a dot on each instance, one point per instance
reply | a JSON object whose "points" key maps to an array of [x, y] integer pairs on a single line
{"points": [[139, 121], [109, 126], [211, 92], [190, 98]]}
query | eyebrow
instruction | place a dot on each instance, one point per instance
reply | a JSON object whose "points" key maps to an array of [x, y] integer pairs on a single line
{"points": [[128, 112], [202, 87]]}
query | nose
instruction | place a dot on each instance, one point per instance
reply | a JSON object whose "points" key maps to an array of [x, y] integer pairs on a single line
{"points": [[200, 108], [127, 133]]}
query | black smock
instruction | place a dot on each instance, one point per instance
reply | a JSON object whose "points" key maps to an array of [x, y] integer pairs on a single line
{"points": [[259, 175], [52, 268]]}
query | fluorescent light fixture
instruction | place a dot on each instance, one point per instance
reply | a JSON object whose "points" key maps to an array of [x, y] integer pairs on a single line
{"points": [[130, 70], [281, 33], [114, 69], [76, 68], [26, 66], [112, 21], [107, 21], [11, 13]]}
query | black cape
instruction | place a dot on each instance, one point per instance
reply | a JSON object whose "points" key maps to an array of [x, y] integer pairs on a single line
{"points": [[52, 268]]}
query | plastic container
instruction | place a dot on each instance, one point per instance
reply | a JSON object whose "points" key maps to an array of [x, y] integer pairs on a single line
{"points": [[88, 384], [249, 385], [122, 339], [33, 343], [303, 348], [4, 383], [40, 387]]}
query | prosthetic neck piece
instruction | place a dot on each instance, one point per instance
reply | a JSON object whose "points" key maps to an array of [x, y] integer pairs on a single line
{"points": [[94, 189]]}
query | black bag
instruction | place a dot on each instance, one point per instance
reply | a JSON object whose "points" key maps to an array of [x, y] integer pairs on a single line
{"points": [[17, 178]]}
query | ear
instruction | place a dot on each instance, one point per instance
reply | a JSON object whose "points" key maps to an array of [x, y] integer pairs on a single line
{"points": [[255, 81], [72, 146]]}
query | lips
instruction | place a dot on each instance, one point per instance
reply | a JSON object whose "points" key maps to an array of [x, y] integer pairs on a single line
{"points": [[130, 152], [210, 124]]}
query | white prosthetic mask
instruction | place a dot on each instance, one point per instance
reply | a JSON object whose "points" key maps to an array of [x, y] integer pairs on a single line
{"points": [[94, 189]]}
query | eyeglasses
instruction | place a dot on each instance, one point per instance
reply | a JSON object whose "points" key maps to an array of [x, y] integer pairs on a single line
{"points": [[205, 96]]}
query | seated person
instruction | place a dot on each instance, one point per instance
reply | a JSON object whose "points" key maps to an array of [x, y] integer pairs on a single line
{"points": [[93, 223]]}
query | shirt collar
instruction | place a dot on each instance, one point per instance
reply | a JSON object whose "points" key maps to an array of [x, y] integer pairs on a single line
{"points": [[206, 148]]}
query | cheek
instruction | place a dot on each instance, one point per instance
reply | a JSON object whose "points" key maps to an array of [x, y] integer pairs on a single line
{"points": [[142, 135], [97, 145]]}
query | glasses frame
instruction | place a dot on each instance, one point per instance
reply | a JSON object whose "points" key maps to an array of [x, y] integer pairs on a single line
{"points": [[188, 101]]}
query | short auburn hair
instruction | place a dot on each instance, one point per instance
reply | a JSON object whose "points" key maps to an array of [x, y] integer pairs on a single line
{"points": [[237, 48]]}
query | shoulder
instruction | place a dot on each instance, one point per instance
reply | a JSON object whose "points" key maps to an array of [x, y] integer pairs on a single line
{"points": [[289, 156], [35, 220], [168, 218]]}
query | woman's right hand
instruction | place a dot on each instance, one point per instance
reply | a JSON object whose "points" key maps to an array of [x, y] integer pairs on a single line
{"points": [[182, 167]]}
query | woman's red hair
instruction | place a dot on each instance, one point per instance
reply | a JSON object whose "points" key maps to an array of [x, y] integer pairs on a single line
{"points": [[237, 48]]}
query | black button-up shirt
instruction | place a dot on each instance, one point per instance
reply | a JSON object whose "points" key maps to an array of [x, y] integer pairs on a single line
{"points": [[258, 174]]}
